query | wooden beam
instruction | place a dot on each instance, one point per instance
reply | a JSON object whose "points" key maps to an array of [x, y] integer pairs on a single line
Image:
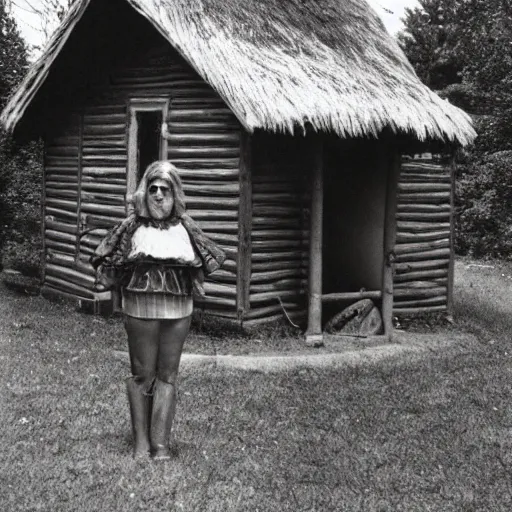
{"points": [[244, 270], [389, 242], [333, 297], [314, 335], [451, 264]]}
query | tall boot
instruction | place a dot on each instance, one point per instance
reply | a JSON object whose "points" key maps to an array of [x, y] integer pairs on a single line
{"points": [[162, 415], [140, 410]]}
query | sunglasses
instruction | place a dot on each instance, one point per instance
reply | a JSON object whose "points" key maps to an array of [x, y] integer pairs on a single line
{"points": [[153, 189]]}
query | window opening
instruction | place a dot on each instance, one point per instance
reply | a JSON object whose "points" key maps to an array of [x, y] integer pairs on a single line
{"points": [[148, 140]]}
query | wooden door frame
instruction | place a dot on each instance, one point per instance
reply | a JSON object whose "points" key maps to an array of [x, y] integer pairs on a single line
{"points": [[136, 105]]}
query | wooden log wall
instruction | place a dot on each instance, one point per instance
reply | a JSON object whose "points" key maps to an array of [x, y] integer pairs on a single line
{"points": [[424, 237], [280, 236], [86, 169]]}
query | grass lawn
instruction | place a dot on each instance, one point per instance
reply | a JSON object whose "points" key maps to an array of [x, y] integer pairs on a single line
{"points": [[410, 434]]}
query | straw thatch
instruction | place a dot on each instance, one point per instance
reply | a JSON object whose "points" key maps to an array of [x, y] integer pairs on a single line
{"points": [[279, 64]]}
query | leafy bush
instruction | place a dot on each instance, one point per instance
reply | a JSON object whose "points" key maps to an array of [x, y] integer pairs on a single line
{"points": [[484, 206], [20, 203]]}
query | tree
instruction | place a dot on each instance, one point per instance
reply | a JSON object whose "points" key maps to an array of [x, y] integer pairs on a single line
{"points": [[13, 54], [430, 40]]}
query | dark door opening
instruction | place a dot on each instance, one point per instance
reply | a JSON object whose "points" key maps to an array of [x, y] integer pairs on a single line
{"points": [[148, 143]]}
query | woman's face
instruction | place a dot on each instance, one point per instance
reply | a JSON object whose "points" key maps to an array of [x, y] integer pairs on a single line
{"points": [[160, 199]]}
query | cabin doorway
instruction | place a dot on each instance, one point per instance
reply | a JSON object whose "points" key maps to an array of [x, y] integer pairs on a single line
{"points": [[145, 141], [355, 178]]}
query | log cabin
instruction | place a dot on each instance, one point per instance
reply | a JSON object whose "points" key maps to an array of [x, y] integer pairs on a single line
{"points": [[288, 121]]}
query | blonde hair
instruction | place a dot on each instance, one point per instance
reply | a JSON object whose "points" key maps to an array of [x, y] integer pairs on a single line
{"points": [[163, 170]]}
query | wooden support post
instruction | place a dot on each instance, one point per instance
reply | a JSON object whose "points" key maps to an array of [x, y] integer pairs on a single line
{"points": [[314, 336], [243, 277], [451, 264], [389, 242]]}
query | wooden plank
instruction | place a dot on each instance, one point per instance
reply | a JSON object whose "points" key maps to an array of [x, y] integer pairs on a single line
{"points": [[314, 328], [393, 176], [335, 297], [244, 226]]}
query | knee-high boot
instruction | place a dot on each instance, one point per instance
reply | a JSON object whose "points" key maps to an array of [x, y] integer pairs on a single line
{"points": [[140, 410], [162, 415]]}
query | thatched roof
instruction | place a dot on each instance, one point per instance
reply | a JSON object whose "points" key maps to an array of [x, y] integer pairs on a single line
{"points": [[279, 64]]}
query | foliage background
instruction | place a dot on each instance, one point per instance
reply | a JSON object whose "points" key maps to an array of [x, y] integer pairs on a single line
{"points": [[20, 165], [463, 49]]}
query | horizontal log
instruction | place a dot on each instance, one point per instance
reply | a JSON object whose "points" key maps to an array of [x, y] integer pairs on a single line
{"points": [[293, 186], [264, 297], [100, 221], [70, 275], [190, 139], [60, 162], [67, 286], [202, 126], [204, 114], [210, 215], [414, 303], [205, 163], [61, 192], [64, 227], [277, 275], [279, 234], [69, 261], [283, 284], [271, 310], [421, 227], [65, 248], [103, 209], [255, 322], [105, 129], [104, 187], [261, 222], [96, 151], [418, 310], [215, 302], [402, 238], [118, 172], [409, 266], [64, 140], [211, 188], [230, 265], [58, 214], [421, 275], [442, 217], [64, 172], [62, 204], [420, 292], [60, 236], [424, 208], [62, 184], [412, 177], [213, 289], [105, 118], [423, 188], [104, 161], [401, 249], [224, 239], [259, 245], [203, 151], [213, 177], [223, 276], [266, 257], [103, 198], [424, 255], [221, 203], [334, 297], [276, 264], [430, 197], [219, 226]]}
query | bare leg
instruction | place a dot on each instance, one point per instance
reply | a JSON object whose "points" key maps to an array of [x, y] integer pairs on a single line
{"points": [[172, 338], [143, 336]]}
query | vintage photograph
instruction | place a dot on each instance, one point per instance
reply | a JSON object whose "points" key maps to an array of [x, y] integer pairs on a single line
{"points": [[256, 255]]}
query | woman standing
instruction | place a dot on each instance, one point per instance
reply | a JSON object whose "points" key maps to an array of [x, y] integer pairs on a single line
{"points": [[158, 256]]}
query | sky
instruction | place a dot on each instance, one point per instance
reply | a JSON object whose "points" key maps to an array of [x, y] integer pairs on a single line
{"points": [[30, 27]]}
